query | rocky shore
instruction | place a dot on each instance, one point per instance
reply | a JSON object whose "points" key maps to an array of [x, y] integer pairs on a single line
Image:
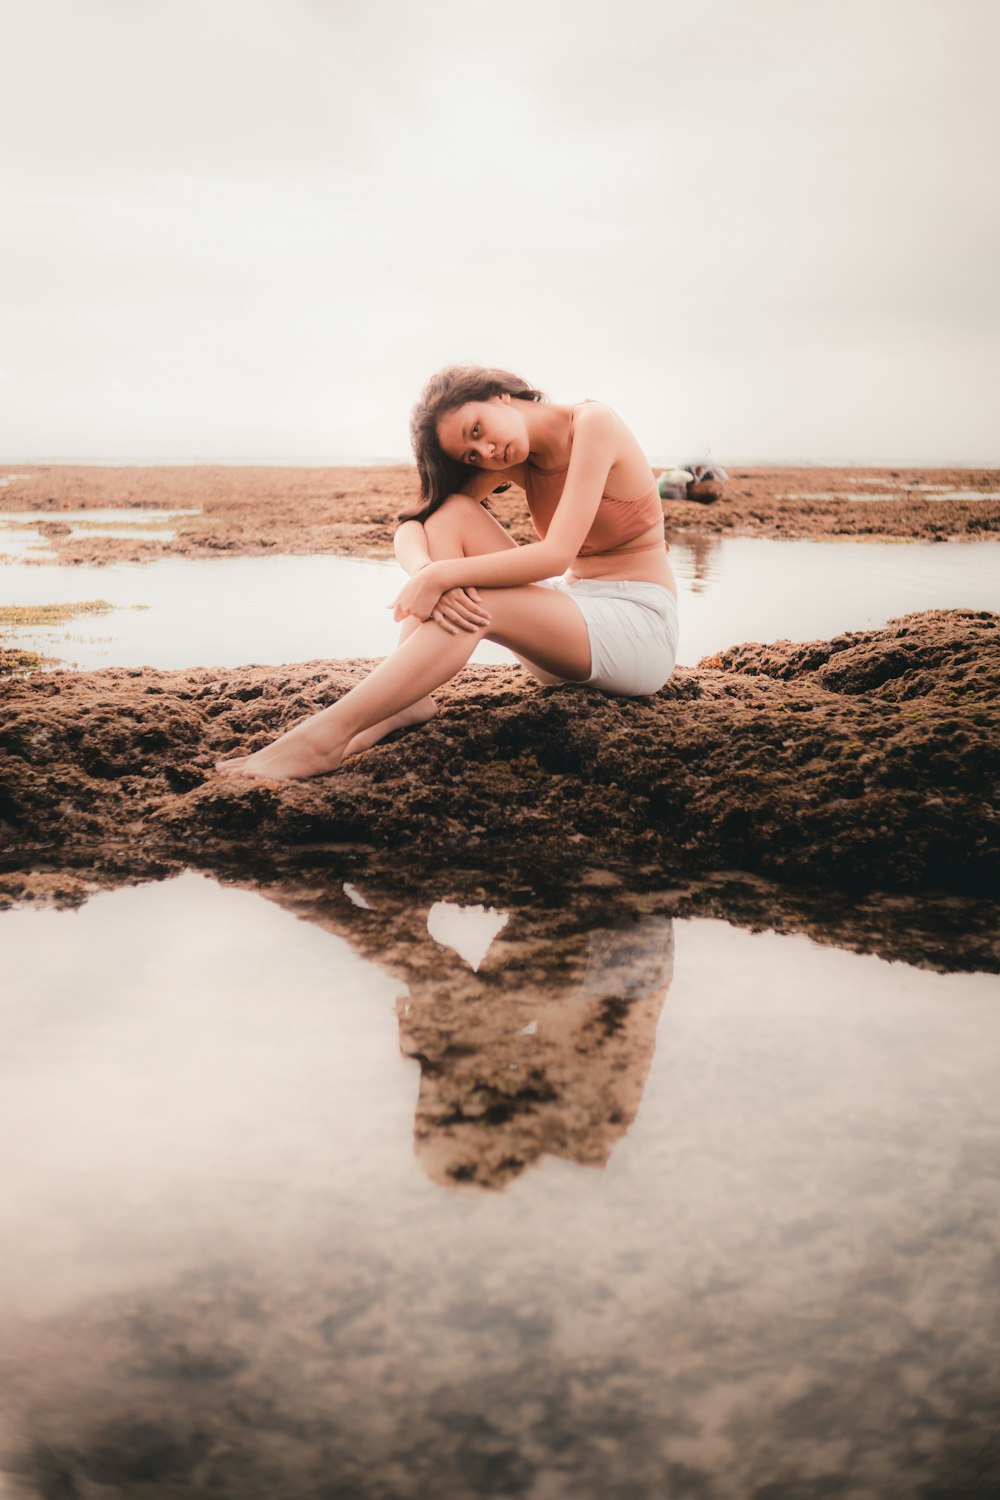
{"points": [[840, 787], [846, 771], [246, 511]]}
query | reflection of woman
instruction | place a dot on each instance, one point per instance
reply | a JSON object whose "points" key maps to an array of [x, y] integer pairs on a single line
{"points": [[557, 1068], [612, 622]]}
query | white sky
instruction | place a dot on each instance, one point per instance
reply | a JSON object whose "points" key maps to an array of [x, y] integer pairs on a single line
{"points": [[251, 228]]}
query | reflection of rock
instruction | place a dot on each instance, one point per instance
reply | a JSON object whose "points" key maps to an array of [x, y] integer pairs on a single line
{"points": [[512, 1072], [543, 1051], [682, 1327]]}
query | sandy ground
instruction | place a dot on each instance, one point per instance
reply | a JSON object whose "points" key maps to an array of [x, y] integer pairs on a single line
{"points": [[861, 767], [253, 511]]}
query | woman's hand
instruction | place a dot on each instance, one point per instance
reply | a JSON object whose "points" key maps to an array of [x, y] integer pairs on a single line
{"points": [[454, 610], [460, 609], [418, 598]]}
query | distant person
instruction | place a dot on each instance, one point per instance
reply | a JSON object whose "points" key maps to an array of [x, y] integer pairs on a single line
{"points": [[702, 482], [708, 481], [610, 623]]}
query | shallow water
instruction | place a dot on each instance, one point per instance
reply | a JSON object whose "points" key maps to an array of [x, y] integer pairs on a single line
{"points": [[750, 589], [255, 1243], [20, 536], [213, 612], [274, 610], [932, 492]]}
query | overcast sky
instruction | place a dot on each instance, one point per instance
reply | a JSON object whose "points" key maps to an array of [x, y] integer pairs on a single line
{"points": [[251, 228]]}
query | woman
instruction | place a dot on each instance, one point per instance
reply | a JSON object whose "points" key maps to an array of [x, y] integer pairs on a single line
{"points": [[611, 623]]}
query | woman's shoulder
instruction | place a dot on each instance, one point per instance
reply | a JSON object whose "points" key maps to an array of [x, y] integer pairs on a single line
{"points": [[608, 441], [595, 416], [598, 426]]}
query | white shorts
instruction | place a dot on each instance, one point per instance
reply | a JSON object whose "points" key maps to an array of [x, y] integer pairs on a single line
{"points": [[633, 629]]}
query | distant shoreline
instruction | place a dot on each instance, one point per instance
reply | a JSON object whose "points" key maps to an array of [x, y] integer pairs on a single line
{"points": [[377, 461], [245, 510]]}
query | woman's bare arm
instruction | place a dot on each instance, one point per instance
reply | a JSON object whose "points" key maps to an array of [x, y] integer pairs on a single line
{"points": [[410, 546], [594, 452], [482, 482], [596, 441]]}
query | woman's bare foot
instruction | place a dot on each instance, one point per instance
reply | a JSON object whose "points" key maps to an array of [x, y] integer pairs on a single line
{"points": [[417, 713], [303, 751]]}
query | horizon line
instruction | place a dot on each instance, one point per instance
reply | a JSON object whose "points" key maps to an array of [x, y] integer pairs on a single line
{"points": [[381, 461]]}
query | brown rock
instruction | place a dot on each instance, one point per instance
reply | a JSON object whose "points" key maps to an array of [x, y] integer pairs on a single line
{"points": [[862, 763]]}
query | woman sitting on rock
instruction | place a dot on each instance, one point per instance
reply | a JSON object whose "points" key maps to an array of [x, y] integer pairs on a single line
{"points": [[611, 623]]}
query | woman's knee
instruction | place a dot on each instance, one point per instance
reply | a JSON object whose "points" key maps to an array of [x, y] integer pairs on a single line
{"points": [[452, 516], [453, 508]]}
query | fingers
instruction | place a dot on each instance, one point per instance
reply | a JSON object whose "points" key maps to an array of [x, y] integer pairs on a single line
{"points": [[452, 622], [400, 614], [466, 605], [477, 617], [439, 619], [453, 618], [457, 609]]}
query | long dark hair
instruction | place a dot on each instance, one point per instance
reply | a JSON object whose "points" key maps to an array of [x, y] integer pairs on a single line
{"points": [[441, 475]]}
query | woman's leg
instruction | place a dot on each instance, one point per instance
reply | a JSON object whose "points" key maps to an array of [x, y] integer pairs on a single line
{"points": [[540, 623], [415, 713], [460, 528]]}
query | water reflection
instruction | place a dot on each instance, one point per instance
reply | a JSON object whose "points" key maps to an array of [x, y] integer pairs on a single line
{"points": [[757, 589], [468, 930], [517, 1064], [225, 1274], [534, 1035], [696, 560]]}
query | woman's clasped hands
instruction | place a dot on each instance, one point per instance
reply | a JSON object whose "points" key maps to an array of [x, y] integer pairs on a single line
{"points": [[455, 610]]}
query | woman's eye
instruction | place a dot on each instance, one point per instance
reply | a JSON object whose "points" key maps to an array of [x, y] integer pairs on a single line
{"points": [[475, 430]]}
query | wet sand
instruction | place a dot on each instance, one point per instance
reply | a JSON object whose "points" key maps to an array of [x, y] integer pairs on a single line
{"points": [[255, 511], [860, 767]]}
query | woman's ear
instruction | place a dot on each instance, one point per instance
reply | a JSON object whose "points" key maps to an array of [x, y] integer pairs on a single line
{"points": [[505, 397]]}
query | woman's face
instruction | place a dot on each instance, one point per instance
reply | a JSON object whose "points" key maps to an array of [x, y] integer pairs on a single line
{"points": [[486, 434]]}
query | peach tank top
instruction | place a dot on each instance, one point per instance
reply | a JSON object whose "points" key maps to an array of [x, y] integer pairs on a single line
{"points": [[617, 522]]}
